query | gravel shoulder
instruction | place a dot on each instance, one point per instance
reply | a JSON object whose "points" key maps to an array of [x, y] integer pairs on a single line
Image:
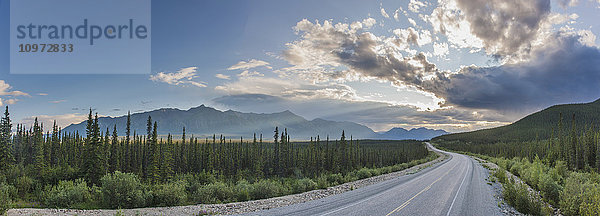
{"points": [[237, 207], [507, 209]]}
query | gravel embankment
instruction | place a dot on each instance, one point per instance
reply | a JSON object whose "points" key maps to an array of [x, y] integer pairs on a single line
{"points": [[234, 208]]}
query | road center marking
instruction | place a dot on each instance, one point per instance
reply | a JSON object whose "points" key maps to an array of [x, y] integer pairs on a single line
{"points": [[463, 181], [420, 192]]}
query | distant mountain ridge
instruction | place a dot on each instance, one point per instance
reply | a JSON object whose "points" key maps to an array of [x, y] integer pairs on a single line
{"points": [[539, 125], [415, 133], [205, 121]]}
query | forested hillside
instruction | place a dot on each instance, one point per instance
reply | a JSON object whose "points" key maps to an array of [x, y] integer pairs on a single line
{"points": [[539, 125]]}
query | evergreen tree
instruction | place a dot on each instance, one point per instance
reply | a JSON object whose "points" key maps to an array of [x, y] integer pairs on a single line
{"points": [[6, 156], [127, 156], [38, 147], [154, 154], [114, 161], [92, 164]]}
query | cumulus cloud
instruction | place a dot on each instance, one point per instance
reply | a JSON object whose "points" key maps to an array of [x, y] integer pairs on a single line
{"points": [[5, 90], [505, 29], [412, 36], [567, 3], [4, 102], [48, 120], [9, 94], [222, 76], [245, 65], [383, 13], [369, 22], [250, 74], [184, 76], [323, 48], [412, 22], [440, 49], [397, 13], [416, 5], [565, 68]]}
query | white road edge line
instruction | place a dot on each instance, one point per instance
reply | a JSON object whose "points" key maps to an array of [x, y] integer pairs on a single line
{"points": [[458, 191]]}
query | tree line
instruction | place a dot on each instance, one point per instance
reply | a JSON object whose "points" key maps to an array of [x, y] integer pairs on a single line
{"points": [[577, 145], [54, 155]]}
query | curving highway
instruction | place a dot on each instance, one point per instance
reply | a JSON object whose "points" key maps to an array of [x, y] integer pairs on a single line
{"points": [[456, 186]]}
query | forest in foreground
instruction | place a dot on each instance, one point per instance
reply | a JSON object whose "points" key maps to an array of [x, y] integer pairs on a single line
{"points": [[99, 169], [564, 167]]}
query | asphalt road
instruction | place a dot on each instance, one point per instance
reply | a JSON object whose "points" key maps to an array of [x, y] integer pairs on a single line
{"points": [[456, 186]]}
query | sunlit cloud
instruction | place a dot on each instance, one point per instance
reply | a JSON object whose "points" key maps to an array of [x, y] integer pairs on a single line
{"points": [[184, 76], [245, 65]]}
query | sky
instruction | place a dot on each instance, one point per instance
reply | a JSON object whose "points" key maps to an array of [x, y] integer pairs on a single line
{"points": [[457, 65]]}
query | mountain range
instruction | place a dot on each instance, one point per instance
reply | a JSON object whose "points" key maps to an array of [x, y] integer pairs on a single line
{"points": [[415, 133], [205, 121]]}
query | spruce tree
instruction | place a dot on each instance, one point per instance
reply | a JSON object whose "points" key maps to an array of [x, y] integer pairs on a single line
{"points": [[127, 156], [6, 156], [114, 161], [92, 164]]}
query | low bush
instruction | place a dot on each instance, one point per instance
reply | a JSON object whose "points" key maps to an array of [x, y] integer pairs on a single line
{"points": [[335, 179], [195, 181], [242, 190], [303, 185], [517, 195], [25, 185], [122, 190], [7, 192], [218, 192], [267, 188], [67, 194], [169, 194], [579, 194]]}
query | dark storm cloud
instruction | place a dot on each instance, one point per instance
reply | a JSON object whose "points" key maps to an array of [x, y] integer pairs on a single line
{"points": [[564, 68], [566, 71]]}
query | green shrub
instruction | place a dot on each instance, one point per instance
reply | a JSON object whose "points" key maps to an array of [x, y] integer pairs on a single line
{"points": [[322, 182], [52, 175], [217, 192], [169, 194], [578, 194], [303, 185], [500, 174], [335, 179], [517, 195], [195, 181], [24, 185], [267, 188], [242, 190], [550, 188], [591, 202], [7, 192], [67, 194], [363, 173], [122, 190]]}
